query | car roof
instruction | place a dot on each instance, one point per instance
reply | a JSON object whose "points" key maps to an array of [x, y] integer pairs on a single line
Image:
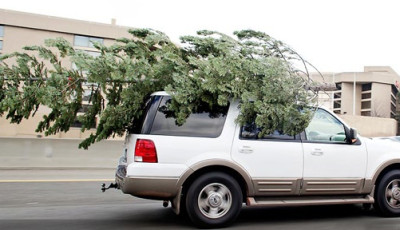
{"points": [[160, 93]]}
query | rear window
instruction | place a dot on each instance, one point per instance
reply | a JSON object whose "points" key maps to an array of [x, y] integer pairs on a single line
{"points": [[204, 123]]}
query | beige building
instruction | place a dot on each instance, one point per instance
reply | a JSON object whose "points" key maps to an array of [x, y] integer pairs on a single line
{"points": [[362, 98], [18, 29]]}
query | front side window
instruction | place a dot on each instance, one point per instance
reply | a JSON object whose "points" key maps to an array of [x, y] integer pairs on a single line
{"points": [[206, 122], [325, 128]]}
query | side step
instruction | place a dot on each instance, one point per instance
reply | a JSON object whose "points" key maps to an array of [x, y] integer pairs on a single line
{"points": [[264, 202]]}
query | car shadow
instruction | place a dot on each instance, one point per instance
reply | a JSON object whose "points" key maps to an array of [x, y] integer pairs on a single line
{"points": [[312, 217], [320, 217], [150, 216]]}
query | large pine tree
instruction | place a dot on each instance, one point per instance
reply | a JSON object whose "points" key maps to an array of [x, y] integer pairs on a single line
{"points": [[253, 68]]}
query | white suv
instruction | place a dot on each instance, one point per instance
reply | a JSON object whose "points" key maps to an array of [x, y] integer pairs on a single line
{"points": [[209, 166]]}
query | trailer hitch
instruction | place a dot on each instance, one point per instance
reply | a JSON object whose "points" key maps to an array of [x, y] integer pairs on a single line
{"points": [[112, 185]]}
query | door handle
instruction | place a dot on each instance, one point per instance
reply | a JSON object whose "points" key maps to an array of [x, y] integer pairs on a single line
{"points": [[246, 150], [317, 152]]}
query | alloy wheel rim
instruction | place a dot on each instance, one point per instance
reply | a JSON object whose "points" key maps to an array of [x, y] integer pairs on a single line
{"points": [[215, 200], [392, 194]]}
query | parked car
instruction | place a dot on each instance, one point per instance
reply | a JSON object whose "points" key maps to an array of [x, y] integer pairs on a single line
{"points": [[210, 166]]}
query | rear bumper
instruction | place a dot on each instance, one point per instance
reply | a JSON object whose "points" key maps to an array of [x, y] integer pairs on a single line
{"points": [[160, 188]]}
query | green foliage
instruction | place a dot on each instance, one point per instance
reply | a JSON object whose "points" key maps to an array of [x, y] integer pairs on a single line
{"points": [[211, 67]]}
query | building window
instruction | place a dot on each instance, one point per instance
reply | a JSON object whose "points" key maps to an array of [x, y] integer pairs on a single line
{"points": [[394, 95], [88, 89], [78, 124], [393, 109], [85, 44], [366, 105], [394, 101], [85, 41], [366, 87], [337, 104], [337, 95], [337, 99], [366, 113], [366, 96], [394, 90]]}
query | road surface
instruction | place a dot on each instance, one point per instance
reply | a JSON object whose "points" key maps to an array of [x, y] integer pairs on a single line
{"points": [[71, 199]]}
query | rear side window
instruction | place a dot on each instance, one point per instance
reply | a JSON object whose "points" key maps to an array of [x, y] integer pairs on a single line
{"points": [[143, 123], [205, 123], [251, 131]]}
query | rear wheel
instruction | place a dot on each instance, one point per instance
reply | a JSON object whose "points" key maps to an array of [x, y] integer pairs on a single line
{"points": [[387, 194], [214, 200]]}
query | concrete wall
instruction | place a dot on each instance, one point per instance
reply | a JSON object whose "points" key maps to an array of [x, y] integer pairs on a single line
{"points": [[372, 126], [348, 101], [26, 129], [57, 153], [381, 100]]}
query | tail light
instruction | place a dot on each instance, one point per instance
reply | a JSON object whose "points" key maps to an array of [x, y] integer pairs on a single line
{"points": [[145, 151]]}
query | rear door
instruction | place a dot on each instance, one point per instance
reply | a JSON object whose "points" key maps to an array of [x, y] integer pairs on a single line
{"points": [[275, 162]]}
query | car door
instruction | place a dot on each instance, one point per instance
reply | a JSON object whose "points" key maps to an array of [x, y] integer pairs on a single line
{"points": [[275, 162], [331, 164]]}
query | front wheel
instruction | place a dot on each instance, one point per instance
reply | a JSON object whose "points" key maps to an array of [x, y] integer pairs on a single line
{"points": [[387, 194], [214, 200]]}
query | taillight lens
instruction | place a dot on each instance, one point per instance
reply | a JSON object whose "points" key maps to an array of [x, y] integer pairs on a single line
{"points": [[145, 151]]}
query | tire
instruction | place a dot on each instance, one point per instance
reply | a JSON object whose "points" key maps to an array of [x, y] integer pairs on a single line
{"points": [[214, 200], [387, 194]]}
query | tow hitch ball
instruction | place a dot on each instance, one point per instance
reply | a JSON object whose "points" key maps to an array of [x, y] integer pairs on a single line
{"points": [[112, 185]]}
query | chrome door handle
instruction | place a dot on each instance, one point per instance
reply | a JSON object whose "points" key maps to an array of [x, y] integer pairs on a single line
{"points": [[246, 150], [317, 152]]}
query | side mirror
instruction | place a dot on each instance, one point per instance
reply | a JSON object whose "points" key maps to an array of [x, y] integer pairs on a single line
{"points": [[352, 137]]}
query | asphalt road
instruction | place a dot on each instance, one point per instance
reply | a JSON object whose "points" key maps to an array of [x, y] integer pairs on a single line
{"points": [[68, 200]]}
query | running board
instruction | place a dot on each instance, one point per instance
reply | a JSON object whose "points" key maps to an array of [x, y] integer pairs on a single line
{"points": [[262, 202]]}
